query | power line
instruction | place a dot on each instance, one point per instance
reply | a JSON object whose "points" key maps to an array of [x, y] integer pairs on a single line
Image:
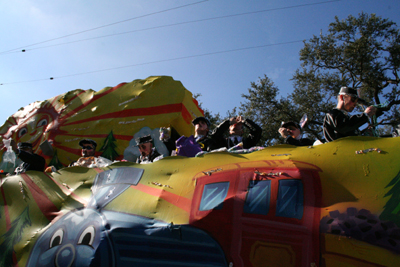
{"points": [[163, 26], [103, 26], [177, 58], [159, 61]]}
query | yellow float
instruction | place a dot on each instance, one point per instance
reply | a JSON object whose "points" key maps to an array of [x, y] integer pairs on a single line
{"points": [[335, 204]]}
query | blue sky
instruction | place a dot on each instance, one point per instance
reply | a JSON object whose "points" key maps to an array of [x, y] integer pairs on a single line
{"points": [[206, 45]]}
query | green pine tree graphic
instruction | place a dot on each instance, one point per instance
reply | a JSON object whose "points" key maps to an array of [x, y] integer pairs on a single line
{"points": [[12, 237], [108, 147], [391, 210]]}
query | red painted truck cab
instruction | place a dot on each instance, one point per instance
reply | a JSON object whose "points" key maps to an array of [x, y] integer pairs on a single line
{"points": [[261, 216]]}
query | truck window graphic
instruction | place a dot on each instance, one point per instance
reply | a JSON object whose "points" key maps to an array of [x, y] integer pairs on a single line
{"points": [[213, 196], [290, 199], [289, 202], [258, 197], [111, 183]]}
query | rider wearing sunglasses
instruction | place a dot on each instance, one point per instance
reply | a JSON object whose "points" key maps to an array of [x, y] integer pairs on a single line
{"points": [[88, 153], [338, 123], [88, 147]]}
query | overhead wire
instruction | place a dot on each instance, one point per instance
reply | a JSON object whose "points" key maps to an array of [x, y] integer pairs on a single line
{"points": [[104, 26], [160, 61], [155, 27], [177, 58]]}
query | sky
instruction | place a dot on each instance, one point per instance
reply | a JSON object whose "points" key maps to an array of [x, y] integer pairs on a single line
{"points": [[216, 48]]}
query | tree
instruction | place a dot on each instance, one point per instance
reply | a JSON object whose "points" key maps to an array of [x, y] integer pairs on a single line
{"points": [[263, 107], [363, 53], [391, 210], [12, 237], [108, 147], [214, 119]]}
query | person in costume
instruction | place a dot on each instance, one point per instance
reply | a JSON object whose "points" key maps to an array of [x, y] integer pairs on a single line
{"points": [[31, 161], [291, 132], [338, 123], [148, 153], [235, 126], [89, 158]]}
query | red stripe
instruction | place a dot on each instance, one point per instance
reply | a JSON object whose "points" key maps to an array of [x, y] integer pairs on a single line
{"points": [[180, 202], [186, 115], [68, 191], [53, 103], [49, 210], [77, 151], [197, 105], [94, 98], [123, 137], [117, 136], [75, 96], [164, 109]]}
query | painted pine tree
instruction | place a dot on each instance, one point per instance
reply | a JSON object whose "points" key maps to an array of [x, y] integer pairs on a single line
{"points": [[108, 147], [55, 161], [12, 237], [391, 210]]}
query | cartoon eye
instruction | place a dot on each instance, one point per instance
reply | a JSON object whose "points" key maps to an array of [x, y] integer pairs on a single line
{"points": [[57, 238], [22, 131], [42, 122], [87, 236]]}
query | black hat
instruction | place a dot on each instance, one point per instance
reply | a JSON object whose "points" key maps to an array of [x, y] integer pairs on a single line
{"points": [[87, 141], [196, 121], [351, 92], [144, 139], [290, 123], [24, 145]]}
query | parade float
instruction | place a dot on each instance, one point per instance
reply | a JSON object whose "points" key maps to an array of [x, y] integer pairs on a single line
{"points": [[335, 204]]}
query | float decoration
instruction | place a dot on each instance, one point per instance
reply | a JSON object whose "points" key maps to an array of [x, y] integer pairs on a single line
{"points": [[111, 117], [276, 206]]}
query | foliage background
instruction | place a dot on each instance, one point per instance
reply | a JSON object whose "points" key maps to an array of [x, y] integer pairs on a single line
{"points": [[362, 52]]}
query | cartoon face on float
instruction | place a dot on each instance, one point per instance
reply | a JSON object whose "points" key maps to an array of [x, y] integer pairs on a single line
{"points": [[32, 129], [73, 241], [31, 124]]}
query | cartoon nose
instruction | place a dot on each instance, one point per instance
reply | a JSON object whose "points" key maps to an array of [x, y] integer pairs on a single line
{"points": [[65, 256]]}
